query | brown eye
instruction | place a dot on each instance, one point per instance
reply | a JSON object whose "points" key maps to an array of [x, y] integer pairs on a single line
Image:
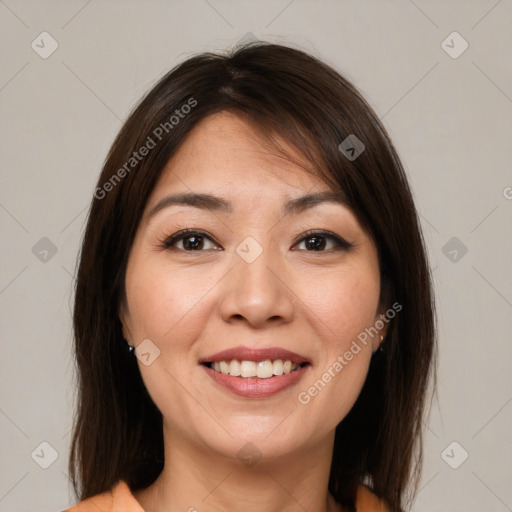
{"points": [[316, 241], [190, 241]]}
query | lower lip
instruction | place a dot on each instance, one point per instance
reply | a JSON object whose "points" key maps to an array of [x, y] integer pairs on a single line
{"points": [[253, 387]]}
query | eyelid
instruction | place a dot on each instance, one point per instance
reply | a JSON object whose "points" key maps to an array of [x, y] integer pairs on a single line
{"points": [[340, 242], [168, 241], [325, 233]]}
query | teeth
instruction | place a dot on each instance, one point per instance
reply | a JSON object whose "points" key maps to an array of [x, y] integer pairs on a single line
{"points": [[248, 369], [261, 369], [278, 367], [265, 369], [234, 368]]}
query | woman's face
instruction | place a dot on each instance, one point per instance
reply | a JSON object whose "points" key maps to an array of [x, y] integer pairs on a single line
{"points": [[247, 285]]}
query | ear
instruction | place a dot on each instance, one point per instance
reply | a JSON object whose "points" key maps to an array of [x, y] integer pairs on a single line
{"points": [[382, 320], [124, 317], [381, 324]]}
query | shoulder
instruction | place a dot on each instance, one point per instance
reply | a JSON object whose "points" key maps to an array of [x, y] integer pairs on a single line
{"points": [[118, 499], [101, 501], [367, 501]]}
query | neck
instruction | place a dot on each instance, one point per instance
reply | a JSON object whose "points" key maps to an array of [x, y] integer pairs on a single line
{"points": [[197, 479]]}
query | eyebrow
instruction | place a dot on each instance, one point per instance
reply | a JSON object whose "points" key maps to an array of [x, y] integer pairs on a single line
{"points": [[210, 202]]}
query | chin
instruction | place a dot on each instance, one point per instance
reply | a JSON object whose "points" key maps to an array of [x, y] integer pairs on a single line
{"points": [[256, 438]]}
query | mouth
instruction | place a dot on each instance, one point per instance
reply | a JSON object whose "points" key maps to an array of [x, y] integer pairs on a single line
{"points": [[255, 373], [245, 369]]}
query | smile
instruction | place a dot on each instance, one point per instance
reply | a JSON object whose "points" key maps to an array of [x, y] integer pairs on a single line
{"points": [[253, 372], [260, 369]]}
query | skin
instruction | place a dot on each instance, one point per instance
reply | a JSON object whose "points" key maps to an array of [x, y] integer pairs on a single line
{"points": [[191, 304]]}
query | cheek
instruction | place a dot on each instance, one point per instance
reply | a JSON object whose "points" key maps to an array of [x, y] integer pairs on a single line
{"points": [[344, 301], [167, 307], [344, 306], [162, 301]]}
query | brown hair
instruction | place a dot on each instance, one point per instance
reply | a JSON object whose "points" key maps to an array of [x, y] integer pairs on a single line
{"points": [[286, 92]]}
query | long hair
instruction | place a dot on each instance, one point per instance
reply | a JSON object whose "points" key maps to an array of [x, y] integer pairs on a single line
{"points": [[117, 431]]}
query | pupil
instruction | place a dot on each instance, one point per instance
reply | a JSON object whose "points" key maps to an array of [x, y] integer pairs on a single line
{"points": [[196, 242], [319, 244], [194, 245]]}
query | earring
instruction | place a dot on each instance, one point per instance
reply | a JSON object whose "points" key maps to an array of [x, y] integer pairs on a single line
{"points": [[131, 348], [381, 347]]}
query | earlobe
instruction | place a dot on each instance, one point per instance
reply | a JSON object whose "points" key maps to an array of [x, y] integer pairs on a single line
{"points": [[382, 324], [384, 330], [380, 347]]}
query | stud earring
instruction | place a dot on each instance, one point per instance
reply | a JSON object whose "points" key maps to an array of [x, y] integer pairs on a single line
{"points": [[381, 347], [131, 348]]}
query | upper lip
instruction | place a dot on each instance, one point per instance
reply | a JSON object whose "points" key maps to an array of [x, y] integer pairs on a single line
{"points": [[254, 354]]}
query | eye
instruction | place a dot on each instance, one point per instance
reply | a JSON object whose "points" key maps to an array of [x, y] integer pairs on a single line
{"points": [[193, 240], [316, 241]]}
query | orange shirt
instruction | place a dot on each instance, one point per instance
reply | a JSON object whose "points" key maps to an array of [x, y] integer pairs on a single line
{"points": [[120, 499]]}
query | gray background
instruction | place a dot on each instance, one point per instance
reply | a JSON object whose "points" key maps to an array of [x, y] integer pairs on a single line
{"points": [[449, 117]]}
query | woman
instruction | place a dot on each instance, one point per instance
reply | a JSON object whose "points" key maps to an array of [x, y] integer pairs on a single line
{"points": [[254, 319]]}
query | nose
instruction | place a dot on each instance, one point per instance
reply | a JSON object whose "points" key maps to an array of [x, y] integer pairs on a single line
{"points": [[258, 292]]}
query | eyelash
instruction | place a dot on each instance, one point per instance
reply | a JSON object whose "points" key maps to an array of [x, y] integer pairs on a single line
{"points": [[340, 243]]}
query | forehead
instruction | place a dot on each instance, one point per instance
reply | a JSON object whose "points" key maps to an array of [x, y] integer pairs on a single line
{"points": [[225, 167], [227, 154]]}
